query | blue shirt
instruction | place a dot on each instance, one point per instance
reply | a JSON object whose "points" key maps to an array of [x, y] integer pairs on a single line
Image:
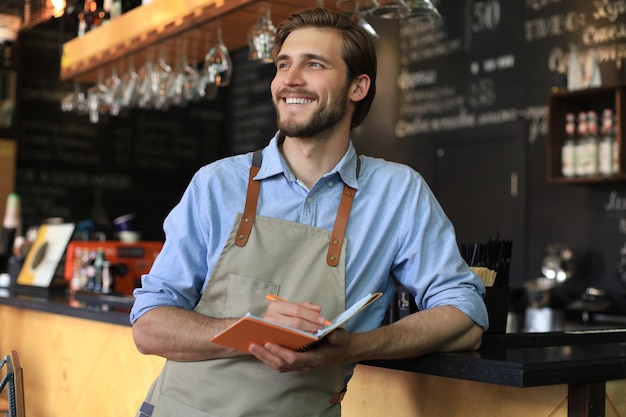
{"points": [[396, 231]]}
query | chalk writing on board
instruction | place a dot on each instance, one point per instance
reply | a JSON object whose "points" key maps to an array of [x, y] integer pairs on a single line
{"points": [[480, 16], [615, 204], [459, 75]]}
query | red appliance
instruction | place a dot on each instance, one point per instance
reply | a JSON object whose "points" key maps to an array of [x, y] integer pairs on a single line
{"points": [[128, 261]]}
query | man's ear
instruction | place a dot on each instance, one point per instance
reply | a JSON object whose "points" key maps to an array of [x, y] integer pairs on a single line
{"points": [[360, 87]]}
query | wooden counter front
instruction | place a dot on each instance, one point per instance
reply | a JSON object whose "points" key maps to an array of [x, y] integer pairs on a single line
{"points": [[376, 392], [76, 367]]}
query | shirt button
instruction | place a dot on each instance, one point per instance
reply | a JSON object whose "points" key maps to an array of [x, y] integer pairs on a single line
{"points": [[330, 183], [309, 200]]}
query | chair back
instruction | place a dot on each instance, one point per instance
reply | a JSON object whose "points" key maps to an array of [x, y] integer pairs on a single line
{"points": [[13, 379]]}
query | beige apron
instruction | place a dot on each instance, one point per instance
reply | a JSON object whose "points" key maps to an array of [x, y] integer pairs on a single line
{"points": [[262, 255]]}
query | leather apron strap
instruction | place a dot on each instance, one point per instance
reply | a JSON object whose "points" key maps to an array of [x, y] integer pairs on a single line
{"points": [[341, 220], [252, 196]]}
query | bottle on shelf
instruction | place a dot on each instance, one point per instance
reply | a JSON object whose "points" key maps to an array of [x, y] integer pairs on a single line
{"points": [[592, 144], [616, 158], [92, 16], [606, 144], [90, 270], [568, 151], [107, 278], [99, 263], [116, 9], [616, 145], [11, 226], [580, 167], [107, 5], [76, 283]]}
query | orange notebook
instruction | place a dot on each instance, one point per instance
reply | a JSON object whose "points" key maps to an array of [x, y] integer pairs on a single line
{"points": [[252, 329]]}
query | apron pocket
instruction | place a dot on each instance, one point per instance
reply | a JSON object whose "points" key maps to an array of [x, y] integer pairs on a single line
{"points": [[244, 294]]}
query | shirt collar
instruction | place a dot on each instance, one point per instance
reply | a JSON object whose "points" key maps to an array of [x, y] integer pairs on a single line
{"points": [[274, 164]]}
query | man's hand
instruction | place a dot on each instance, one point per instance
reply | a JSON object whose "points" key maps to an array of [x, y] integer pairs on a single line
{"points": [[307, 317], [329, 352], [302, 316]]}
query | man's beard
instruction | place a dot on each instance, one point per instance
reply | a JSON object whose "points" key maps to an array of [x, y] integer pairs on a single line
{"points": [[323, 119]]}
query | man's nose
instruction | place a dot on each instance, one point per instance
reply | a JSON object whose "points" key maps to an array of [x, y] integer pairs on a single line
{"points": [[293, 76]]}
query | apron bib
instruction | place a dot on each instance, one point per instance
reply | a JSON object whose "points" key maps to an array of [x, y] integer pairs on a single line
{"points": [[274, 256]]}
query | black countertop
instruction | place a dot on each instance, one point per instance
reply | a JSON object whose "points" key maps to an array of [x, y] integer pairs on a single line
{"points": [[530, 359], [106, 309], [514, 359]]}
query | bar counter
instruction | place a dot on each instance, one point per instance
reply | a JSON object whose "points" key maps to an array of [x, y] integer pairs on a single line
{"points": [[583, 359], [575, 373], [105, 309]]}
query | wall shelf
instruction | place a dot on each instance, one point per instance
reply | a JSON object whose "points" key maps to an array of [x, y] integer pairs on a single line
{"points": [[170, 26], [561, 103]]}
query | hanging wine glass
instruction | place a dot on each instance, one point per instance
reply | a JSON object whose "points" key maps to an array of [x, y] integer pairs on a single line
{"points": [[126, 93], [356, 10], [218, 66], [175, 83], [96, 104], [113, 84], [390, 9], [80, 100], [261, 37], [74, 101], [181, 84], [160, 76], [357, 17], [144, 84], [191, 86], [423, 12], [67, 102], [207, 89]]}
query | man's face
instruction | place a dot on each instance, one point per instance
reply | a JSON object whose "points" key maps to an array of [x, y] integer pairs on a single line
{"points": [[310, 90]]}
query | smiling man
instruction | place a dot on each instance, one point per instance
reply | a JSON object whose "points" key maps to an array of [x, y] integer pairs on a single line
{"points": [[309, 220]]}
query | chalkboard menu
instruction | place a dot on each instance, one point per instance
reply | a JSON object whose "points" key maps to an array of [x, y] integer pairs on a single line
{"points": [[252, 118], [493, 61]]}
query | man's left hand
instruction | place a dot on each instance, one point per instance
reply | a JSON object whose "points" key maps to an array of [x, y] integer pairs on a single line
{"points": [[283, 359]]}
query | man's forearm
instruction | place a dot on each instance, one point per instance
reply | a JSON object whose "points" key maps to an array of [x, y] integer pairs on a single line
{"points": [[180, 335], [439, 329]]}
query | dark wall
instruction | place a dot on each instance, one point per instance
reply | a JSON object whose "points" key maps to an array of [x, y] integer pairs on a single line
{"points": [[139, 162], [465, 104]]}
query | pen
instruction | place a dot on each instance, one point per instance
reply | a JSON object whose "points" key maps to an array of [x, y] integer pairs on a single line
{"points": [[274, 297]]}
